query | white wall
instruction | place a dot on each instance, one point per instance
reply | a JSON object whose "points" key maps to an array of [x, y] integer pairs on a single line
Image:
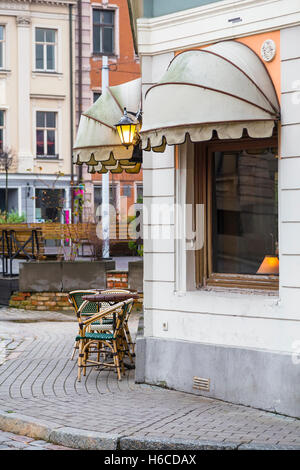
{"points": [[262, 321]]}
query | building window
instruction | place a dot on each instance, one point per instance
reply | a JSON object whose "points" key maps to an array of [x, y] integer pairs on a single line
{"points": [[126, 190], [45, 49], [96, 95], [2, 49], [46, 134], [139, 193], [49, 204], [103, 31], [238, 185], [1, 129], [112, 195]]}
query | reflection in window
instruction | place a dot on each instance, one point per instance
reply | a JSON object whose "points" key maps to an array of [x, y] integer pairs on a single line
{"points": [[244, 209]]}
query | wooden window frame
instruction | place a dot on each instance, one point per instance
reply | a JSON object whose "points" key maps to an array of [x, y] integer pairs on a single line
{"points": [[205, 277]]}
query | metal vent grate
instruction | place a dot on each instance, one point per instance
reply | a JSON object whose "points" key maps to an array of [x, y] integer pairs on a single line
{"points": [[201, 384]]}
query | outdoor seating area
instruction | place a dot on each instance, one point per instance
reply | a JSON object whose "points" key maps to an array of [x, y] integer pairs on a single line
{"points": [[103, 340], [30, 240]]}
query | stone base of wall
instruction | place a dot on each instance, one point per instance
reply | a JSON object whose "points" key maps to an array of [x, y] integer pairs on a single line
{"points": [[259, 378], [55, 301], [117, 279]]}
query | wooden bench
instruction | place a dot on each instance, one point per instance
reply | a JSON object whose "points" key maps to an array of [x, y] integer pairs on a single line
{"points": [[20, 243]]}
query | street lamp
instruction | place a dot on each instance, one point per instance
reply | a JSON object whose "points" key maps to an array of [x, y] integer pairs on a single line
{"points": [[6, 159], [127, 128]]}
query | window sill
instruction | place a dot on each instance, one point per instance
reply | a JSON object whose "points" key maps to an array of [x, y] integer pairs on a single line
{"points": [[239, 282], [46, 73], [48, 158], [101, 54], [4, 71]]}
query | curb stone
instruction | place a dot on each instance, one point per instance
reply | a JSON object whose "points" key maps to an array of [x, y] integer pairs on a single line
{"points": [[90, 440], [82, 439], [136, 443]]}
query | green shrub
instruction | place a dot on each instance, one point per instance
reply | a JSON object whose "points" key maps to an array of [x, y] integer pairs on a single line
{"points": [[12, 217]]}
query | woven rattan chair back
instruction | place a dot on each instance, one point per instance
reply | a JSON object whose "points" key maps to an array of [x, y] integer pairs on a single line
{"points": [[76, 300]]}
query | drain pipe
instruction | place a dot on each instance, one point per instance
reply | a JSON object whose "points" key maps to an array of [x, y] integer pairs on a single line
{"points": [[71, 104]]}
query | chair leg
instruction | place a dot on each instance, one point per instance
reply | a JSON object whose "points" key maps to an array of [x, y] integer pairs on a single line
{"points": [[74, 349], [116, 360], [80, 356]]}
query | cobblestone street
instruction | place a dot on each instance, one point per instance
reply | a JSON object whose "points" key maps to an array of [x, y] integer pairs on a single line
{"points": [[38, 380]]}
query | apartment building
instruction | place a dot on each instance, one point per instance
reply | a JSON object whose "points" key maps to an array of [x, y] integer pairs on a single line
{"points": [[36, 107], [103, 29]]}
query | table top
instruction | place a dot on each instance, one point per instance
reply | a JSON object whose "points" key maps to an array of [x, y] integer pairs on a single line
{"points": [[113, 297]]}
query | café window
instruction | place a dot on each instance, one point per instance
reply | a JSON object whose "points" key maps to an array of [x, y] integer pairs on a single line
{"points": [[237, 183], [103, 31], [45, 49], [46, 139]]}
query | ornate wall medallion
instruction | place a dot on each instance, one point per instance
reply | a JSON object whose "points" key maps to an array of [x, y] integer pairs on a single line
{"points": [[268, 50]]}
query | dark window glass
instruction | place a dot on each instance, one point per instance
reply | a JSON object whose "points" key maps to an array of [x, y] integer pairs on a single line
{"points": [[50, 35], [40, 142], [96, 39], [108, 17], [244, 209], [107, 40], [127, 190], [39, 56], [1, 139], [50, 119], [103, 31], [112, 195], [40, 119], [39, 35], [50, 57], [50, 142], [1, 118], [96, 95]]}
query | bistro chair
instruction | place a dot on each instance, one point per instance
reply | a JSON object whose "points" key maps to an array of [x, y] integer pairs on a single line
{"points": [[127, 335], [112, 341], [76, 300]]}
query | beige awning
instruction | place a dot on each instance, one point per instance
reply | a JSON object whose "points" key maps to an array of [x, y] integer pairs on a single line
{"points": [[224, 87], [97, 143]]}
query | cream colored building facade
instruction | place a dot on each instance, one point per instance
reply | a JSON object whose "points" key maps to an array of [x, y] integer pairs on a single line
{"points": [[35, 101]]}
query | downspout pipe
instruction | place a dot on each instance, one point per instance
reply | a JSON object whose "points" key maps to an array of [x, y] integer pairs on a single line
{"points": [[71, 103]]}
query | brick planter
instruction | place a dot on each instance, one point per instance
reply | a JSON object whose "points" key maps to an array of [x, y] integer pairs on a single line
{"points": [[55, 301], [117, 279]]}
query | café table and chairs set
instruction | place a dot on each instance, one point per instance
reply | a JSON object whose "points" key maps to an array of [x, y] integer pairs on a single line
{"points": [[103, 338]]}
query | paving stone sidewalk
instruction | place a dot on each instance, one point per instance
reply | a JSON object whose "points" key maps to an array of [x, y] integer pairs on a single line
{"points": [[38, 381]]}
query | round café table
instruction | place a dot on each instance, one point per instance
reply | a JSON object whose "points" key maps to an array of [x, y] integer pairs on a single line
{"points": [[111, 298]]}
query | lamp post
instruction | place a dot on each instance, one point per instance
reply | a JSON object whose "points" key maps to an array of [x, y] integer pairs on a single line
{"points": [[5, 163]]}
